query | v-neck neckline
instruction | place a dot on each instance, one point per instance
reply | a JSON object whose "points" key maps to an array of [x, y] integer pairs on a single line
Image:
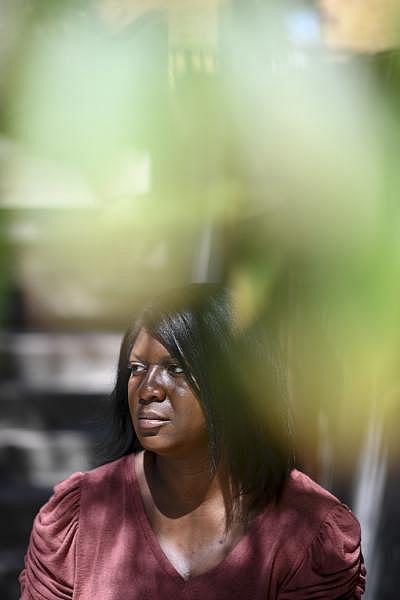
{"points": [[154, 543]]}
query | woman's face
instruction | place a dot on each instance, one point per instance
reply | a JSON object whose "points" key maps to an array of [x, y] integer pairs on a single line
{"points": [[166, 414]]}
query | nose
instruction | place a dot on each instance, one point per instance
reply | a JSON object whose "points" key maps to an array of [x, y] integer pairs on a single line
{"points": [[151, 388]]}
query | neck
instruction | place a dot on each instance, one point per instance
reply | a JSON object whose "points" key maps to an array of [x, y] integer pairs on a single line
{"points": [[181, 484]]}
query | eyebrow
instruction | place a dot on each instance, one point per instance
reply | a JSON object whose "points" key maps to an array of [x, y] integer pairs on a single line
{"points": [[168, 359]]}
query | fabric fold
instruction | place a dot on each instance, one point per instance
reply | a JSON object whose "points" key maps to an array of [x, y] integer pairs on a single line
{"points": [[50, 561], [332, 566]]}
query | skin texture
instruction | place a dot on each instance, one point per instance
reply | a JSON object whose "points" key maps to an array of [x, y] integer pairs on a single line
{"points": [[157, 385], [183, 500]]}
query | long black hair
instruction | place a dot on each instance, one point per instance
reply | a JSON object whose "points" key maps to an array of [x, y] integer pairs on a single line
{"points": [[236, 377]]}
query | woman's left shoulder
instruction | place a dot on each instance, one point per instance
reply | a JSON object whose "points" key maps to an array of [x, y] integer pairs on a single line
{"points": [[325, 545], [308, 497]]}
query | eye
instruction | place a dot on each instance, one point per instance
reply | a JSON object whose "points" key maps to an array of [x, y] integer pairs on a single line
{"points": [[174, 370], [136, 368]]}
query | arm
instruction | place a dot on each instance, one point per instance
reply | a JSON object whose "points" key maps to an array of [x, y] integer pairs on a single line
{"points": [[50, 560], [332, 567]]}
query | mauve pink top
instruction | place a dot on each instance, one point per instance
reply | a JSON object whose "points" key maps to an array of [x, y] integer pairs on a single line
{"points": [[92, 540]]}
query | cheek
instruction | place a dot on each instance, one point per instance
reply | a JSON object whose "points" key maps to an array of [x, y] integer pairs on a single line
{"points": [[131, 389], [192, 408], [132, 392]]}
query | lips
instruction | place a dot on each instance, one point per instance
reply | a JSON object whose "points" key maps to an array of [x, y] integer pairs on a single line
{"points": [[151, 420], [151, 415]]}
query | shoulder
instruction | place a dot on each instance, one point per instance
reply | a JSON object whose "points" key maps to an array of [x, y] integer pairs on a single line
{"points": [[49, 561], [63, 505], [312, 513], [303, 508], [306, 499], [100, 487], [108, 474], [51, 556], [322, 544], [69, 493]]}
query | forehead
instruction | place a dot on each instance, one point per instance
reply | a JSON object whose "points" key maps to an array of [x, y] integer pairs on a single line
{"points": [[148, 348]]}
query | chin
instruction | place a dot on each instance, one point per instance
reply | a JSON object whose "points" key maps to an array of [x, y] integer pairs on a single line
{"points": [[154, 442]]}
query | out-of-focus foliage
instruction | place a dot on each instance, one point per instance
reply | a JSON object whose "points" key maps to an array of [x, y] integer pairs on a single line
{"points": [[361, 25], [132, 129]]}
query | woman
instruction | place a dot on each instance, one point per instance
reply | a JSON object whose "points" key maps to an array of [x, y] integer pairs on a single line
{"points": [[201, 499]]}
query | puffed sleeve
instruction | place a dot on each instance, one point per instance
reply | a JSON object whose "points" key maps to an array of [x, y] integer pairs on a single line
{"points": [[50, 559], [332, 567]]}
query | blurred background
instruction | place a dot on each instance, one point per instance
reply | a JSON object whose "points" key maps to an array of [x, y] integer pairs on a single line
{"points": [[145, 144]]}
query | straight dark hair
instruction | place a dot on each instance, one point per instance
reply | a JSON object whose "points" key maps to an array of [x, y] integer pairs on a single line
{"points": [[237, 378]]}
